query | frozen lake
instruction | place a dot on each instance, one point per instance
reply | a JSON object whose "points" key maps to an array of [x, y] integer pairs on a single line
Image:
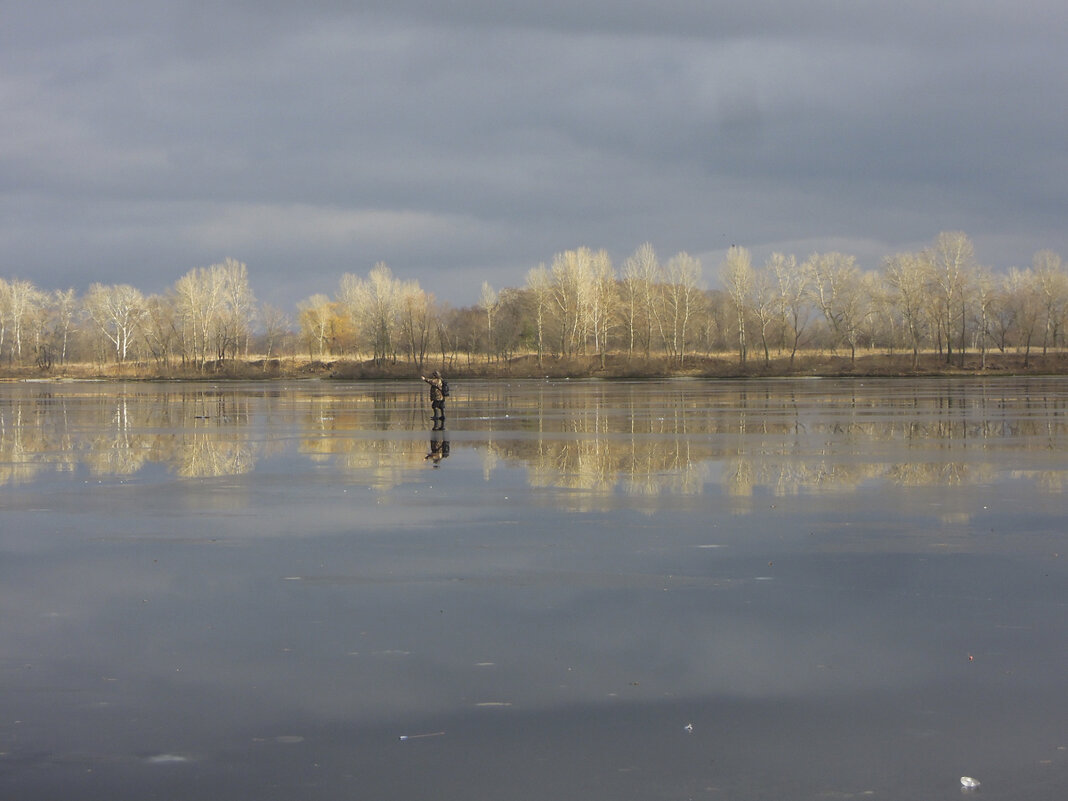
{"points": [[783, 589]]}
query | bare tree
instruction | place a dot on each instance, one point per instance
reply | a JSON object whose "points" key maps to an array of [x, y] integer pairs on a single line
{"points": [[1027, 307], [416, 310], [909, 275], [1052, 285], [683, 296], [599, 301], [572, 276], [160, 327], [738, 278], [373, 307], [20, 301], [952, 259], [1001, 318], [38, 323], [794, 307], [215, 308], [117, 311], [232, 322], [317, 316], [509, 323], [641, 277], [489, 301], [382, 291], [539, 283], [198, 295], [876, 320], [986, 296], [350, 300], [275, 326], [835, 284], [766, 304], [446, 335], [65, 303], [5, 311]]}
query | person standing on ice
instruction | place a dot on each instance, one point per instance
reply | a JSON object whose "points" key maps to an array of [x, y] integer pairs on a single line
{"points": [[438, 391]]}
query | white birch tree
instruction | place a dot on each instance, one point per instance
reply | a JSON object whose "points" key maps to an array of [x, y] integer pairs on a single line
{"points": [[683, 294], [198, 295], [234, 315], [65, 305], [908, 276], [117, 311], [540, 286], [317, 315], [1052, 285], [793, 303], [835, 284], [952, 260], [489, 301], [738, 279], [602, 302], [641, 277]]}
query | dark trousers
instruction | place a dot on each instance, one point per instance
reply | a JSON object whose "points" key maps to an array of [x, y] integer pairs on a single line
{"points": [[435, 407]]}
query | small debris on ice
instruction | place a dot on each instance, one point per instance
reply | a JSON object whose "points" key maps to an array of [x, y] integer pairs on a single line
{"points": [[688, 728], [166, 759], [968, 783], [420, 736]]}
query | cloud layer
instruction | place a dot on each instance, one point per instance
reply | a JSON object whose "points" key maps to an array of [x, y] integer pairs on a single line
{"points": [[468, 140]]}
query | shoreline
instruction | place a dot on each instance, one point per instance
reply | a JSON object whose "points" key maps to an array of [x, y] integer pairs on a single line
{"points": [[611, 367]]}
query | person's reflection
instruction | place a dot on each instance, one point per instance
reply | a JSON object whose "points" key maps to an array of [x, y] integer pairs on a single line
{"points": [[439, 446]]}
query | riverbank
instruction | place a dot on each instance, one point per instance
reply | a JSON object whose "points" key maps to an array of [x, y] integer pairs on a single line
{"points": [[611, 367]]}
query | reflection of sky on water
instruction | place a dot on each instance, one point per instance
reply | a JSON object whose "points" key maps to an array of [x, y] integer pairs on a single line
{"points": [[277, 628]]}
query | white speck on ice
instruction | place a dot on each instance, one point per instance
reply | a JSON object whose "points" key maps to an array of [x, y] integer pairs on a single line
{"points": [[166, 759]]}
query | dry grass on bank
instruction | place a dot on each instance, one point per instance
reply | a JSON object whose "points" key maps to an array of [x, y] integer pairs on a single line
{"points": [[613, 366]]}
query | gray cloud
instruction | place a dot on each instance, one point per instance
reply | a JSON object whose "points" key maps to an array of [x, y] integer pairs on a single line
{"points": [[467, 141]]}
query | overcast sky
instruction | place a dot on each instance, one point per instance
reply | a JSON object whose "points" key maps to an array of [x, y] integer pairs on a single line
{"points": [[468, 140]]}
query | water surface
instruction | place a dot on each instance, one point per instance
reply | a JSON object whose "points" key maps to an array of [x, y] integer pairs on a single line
{"points": [[578, 590]]}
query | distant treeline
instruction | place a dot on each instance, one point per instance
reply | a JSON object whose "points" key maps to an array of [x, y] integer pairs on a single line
{"points": [[580, 307]]}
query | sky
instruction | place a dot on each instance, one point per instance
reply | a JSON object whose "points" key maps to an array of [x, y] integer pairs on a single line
{"points": [[462, 141]]}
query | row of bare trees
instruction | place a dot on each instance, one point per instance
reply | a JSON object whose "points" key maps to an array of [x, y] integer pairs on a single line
{"points": [[939, 299], [577, 306], [208, 315], [379, 315]]}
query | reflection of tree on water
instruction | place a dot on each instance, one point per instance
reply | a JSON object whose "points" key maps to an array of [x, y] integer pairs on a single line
{"points": [[115, 451], [33, 439], [644, 467], [669, 438], [200, 456], [116, 433], [784, 442]]}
